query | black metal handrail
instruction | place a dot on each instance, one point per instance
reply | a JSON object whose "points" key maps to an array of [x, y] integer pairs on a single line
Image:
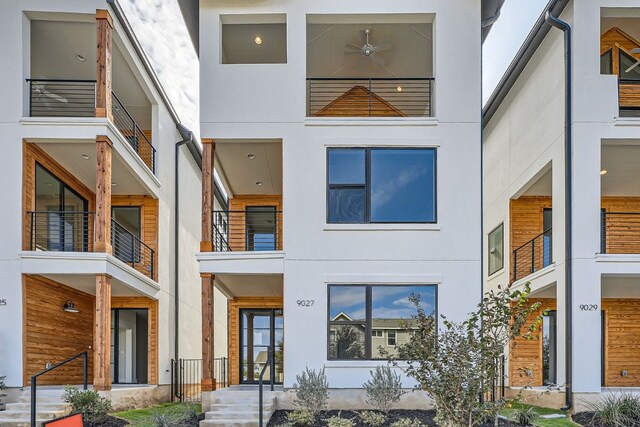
{"points": [[249, 230], [62, 98], [129, 128], [370, 96], [534, 255], [186, 376], [34, 380], [271, 365], [620, 233], [64, 231], [129, 249]]}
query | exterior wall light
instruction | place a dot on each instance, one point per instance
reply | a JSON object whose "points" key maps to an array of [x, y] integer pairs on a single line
{"points": [[624, 373], [70, 307]]}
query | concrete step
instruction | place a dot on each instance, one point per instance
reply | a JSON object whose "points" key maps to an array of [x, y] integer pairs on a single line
{"points": [[26, 413], [40, 406], [266, 406], [254, 415], [20, 422], [230, 423]]}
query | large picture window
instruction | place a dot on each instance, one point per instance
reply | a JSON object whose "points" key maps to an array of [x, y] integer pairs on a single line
{"points": [[365, 319], [381, 185]]}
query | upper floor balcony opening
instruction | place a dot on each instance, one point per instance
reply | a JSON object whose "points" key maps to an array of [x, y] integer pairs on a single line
{"points": [[247, 208], [254, 39], [370, 65], [620, 56], [63, 81]]}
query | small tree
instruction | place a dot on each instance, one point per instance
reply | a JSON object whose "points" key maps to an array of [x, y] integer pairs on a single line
{"points": [[312, 391], [384, 389], [460, 362]]}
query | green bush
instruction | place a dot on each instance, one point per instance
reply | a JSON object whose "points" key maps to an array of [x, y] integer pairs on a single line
{"points": [[525, 415], [372, 418], [617, 410], [336, 421], [407, 422], [89, 403], [165, 418], [312, 391], [301, 417], [384, 389]]}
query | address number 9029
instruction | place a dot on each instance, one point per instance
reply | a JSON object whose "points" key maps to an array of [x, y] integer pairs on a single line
{"points": [[588, 307]]}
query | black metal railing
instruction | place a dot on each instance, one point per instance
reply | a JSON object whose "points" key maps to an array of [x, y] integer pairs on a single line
{"points": [[255, 229], [129, 249], [62, 98], [132, 133], [620, 233], [534, 255], [186, 378], [34, 381], [64, 231], [370, 97], [271, 365]]}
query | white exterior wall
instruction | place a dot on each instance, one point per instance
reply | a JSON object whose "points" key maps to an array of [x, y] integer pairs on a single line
{"points": [[268, 101], [14, 30]]}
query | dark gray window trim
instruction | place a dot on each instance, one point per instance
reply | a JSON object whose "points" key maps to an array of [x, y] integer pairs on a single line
{"points": [[368, 310], [501, 225]]}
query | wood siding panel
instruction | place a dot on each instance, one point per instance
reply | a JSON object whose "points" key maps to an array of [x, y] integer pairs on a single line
{"points": [[622, 232], [234, 328], [356, 102], [622, 335], [526, 222], [237, 225], [526, 355]]}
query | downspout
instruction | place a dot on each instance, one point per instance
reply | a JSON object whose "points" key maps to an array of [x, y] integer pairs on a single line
{"points": [[566, 28]]}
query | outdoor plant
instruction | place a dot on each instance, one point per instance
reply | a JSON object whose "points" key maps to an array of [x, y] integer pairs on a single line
{"points": [[373, 418], [312, 391], [336, 421], [525, 415], [407, 422], [3, 405], [617, 410], [301, 417], [384, 389], [460, 361], [191, 411], [165, 418], [89, 403]]}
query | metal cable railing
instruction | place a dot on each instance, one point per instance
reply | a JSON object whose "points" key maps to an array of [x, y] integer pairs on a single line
{"points": [[129, 249], [250, 230], [133, 134], [533, 256], [64, 231], [62, 98], [620, 233], [370, 97]]}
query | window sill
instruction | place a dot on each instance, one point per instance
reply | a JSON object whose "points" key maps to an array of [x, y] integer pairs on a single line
{"points": [[381, 227]]}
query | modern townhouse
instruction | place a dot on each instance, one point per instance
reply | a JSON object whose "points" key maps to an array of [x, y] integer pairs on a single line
{"points": [[561, 208], [91, 237], [341, 173]]}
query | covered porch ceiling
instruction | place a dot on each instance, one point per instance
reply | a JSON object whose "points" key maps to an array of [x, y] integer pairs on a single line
{"points": [[621, 161], [87, 283], [250, 285]]}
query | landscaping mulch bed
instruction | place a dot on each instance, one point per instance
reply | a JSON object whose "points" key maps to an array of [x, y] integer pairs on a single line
{"points": [[586, 419], [108, 421], [279, 417]]}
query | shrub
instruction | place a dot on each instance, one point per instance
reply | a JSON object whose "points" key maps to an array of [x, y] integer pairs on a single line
{"points": [[165, 418], [617, 410], [384, 389], [372, 418], [2, 387], [301, 417], [407, 422], [336, 421], [525, 415], [190, 411], [89, 403], [312, 391]]}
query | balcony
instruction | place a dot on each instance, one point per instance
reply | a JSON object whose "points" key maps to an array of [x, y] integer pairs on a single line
{"points": [[77, 98], [369, 97], [69, 231], [259, 228], [620, 233], [533, 256], [629, 95]]}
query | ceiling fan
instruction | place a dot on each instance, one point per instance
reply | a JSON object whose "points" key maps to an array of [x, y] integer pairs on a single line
{"points": [[40, 90], [634, 51], [369, 49]]}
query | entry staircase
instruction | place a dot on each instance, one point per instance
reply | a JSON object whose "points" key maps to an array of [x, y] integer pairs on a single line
{"points": [[238, 407], [49, 406]]}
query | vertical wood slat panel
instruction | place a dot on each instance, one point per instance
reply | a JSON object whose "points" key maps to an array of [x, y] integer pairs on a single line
{"points": [[622, 332]]}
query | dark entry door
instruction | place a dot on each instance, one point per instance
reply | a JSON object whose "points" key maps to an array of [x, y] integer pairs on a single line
{"points": [[261, 228], [130, 346], [261, 331]]}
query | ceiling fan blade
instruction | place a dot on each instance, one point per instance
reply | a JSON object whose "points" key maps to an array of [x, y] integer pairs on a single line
{"points": [[54, 96], [628, 70], [383, 47], [378, 60], [353, 47]]}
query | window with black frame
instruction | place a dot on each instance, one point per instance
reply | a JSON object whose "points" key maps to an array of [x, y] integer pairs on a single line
{"points": [[381, 185], [370, 321], [496, 249]]}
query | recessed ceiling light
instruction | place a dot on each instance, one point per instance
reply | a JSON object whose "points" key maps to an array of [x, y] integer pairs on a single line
{"points": [[251, 156], [85, 156], [399, 88], [259, 183], [80, 57], [113, 184], [258, 40], [603, 172]]}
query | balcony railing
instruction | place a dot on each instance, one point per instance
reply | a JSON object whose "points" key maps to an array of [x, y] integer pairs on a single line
{"points": [[370, 97], [132, 133], [77, 98], [62, 98], [129, 249], [534, 255], [254, 230], [629, 93], [620, 233], [61, 231]]}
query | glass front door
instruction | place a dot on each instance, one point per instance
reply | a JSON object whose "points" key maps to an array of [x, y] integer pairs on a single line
{"points": [[261, 332], [129, 346]]}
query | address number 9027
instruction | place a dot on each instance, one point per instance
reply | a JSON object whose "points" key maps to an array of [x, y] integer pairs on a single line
{"points": [[305, 302]]}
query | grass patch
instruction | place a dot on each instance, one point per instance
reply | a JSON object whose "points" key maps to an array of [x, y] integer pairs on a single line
{"points": [[141, 417], [540, 422]]}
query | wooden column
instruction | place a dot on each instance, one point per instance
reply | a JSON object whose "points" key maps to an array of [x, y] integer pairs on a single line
{"points": [[102, 334], [104, 24], [208, 153], [208, 379], [102, 227]]}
